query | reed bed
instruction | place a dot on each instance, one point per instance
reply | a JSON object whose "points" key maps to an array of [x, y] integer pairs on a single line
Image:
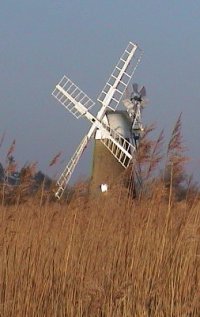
{"points": [[103, 256], [106, 256]]}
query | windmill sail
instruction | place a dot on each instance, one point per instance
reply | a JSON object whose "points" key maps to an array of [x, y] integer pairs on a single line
{"points": [[121, 148], [120, 77], [67, 173], [72, 97]]}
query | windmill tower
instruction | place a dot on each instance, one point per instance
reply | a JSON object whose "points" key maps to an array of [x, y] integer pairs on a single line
{"points": [[80, 105], [106, 169]]}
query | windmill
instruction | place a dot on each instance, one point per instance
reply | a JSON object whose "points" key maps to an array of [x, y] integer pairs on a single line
{"points": [[80, 105], [106, 170]]}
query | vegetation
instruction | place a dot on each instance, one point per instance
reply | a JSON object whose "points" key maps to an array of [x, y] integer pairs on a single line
{"points": [[109, 256]]}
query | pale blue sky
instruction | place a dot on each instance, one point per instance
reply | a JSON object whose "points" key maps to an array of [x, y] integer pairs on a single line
{"points": [[43, 40]]}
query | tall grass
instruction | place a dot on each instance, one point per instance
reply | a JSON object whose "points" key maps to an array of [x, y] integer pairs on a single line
{"points": [[111, 256]]}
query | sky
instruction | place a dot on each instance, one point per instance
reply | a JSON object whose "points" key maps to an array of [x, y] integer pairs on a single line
{"points": [[43, 40]]}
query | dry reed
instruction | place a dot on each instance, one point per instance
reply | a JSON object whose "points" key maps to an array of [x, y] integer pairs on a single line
{"points": [[111, 256]]}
